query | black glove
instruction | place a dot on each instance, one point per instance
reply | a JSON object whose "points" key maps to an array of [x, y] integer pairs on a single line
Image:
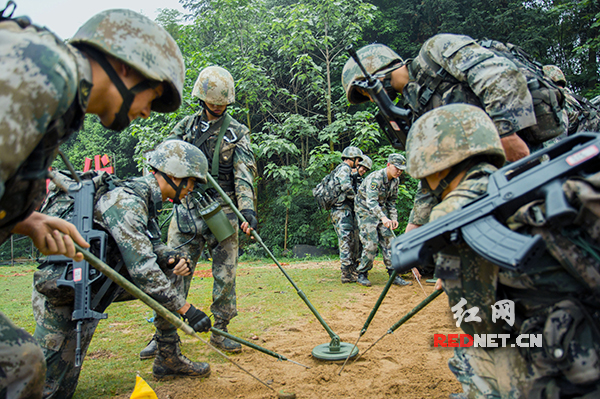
{"points": [[250, 217], [166, 256], [197, 319]]}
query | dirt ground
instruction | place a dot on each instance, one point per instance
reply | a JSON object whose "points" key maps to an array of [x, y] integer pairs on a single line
{"points": [[403, 364]]}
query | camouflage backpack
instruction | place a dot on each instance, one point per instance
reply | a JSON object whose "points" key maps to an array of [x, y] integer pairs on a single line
{"points": [[548, 97], [327, 191]]}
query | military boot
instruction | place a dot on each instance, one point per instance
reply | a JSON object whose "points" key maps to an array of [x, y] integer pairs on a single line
{"points": [[222, 342], [170, 363], [399, 280], [149, 351], [363, 279], [348, 276]]}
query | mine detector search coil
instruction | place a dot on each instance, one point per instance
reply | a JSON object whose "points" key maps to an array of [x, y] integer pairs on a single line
{"points": [[538, 176], [393, 120]]}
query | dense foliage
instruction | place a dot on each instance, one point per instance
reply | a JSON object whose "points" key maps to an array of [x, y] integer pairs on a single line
{"points": [[287, 56]]}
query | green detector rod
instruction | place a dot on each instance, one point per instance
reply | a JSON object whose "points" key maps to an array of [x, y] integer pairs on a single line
{"points": [[168, 315], [333, 351], [376, 307], [405, 318]]}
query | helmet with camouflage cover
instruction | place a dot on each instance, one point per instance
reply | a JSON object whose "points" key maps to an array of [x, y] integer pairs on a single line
{"points": [[142, 44], [555, 74], [366, 162], [448, 135], [378, 59], [179, 159], [215, 86], [352, 152]]}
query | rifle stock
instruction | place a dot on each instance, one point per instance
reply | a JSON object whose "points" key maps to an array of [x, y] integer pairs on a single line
{"points": [[538, 176]]}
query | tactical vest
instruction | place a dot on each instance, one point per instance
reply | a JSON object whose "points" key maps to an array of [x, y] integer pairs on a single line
{"points": [[25, 190], [218, 143]]}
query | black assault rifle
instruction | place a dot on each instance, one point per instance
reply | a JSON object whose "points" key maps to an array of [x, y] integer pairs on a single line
{"points": [[393, 120], [538, 176], [80, 275]]}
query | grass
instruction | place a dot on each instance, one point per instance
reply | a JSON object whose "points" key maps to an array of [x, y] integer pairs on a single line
{"points": [[112, 360]]}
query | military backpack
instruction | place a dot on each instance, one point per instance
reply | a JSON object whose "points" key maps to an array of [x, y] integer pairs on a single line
{"points": [[327, 191], [548, 98]]}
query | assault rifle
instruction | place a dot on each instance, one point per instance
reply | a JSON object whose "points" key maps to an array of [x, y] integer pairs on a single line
{"points": [[538, 176], [393, 120], [80, 275]]}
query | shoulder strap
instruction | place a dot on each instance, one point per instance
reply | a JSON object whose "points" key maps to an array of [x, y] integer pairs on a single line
{"points": [[215, 161]]}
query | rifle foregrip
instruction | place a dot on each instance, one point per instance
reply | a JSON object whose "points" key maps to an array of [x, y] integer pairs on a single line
{"points": [[500, 245]]}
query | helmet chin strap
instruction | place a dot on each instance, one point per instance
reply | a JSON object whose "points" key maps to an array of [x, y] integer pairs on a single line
{"points": [[121, 120], [177, 189], [210, 111], [445, 182]]}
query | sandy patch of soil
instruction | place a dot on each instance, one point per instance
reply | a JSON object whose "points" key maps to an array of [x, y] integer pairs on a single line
{"points": [[403, 364]]}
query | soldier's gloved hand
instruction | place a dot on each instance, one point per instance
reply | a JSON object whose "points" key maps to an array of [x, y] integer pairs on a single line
{"points": [[250, 217], [197, 319], [170, 259]]}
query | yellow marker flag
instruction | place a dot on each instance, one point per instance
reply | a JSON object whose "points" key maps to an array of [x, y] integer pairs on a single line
{"points": [[142, 390]]}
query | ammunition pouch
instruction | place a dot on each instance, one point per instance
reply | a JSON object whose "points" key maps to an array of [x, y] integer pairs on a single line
{"points": [[570, 341]]}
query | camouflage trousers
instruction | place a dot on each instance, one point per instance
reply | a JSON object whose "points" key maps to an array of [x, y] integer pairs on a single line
{"points": [[344, 223], [189, 229], [22, 365], [371, 233], [505, 373], [56, 334]]}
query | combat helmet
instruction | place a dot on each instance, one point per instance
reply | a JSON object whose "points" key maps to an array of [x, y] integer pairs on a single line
{"points": [[555, 74], [366, 162], [446, 136], [140, 43], [215, 86], [352, 152], [179, 159], [378, 60]]}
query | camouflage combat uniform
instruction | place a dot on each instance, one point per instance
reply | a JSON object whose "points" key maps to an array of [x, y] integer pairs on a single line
{"points": [[583, 115], [344, 219], [42, 81], [375, 199], [127, 213], [237, 169], [556, 297], [477, 77]]}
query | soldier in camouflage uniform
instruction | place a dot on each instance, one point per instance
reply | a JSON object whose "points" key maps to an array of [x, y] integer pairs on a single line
{"points": [[342, 213], [364, 167], [128, 213], [226, 144], [377, 216], [454, 149], [583, 115], [453, 69], [48, 86]]}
